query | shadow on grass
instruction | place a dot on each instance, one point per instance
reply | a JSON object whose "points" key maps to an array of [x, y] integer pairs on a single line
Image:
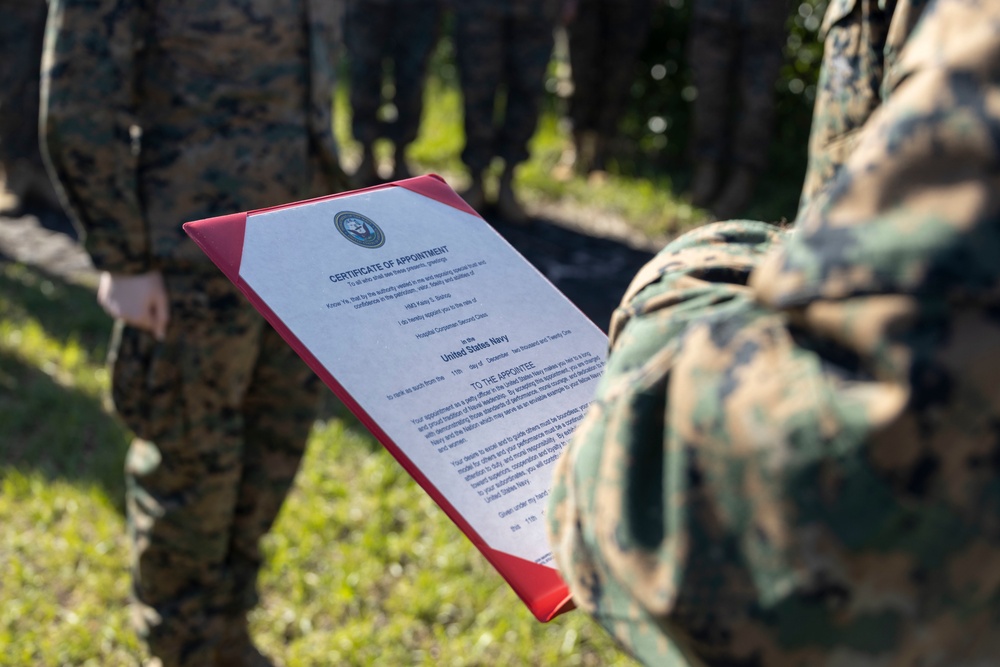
{"points": [[58, 432], [65, 311], [46, 424], [333, 408]]}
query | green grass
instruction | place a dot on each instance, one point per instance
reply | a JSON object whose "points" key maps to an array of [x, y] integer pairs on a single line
{"points": [[363, 568]]}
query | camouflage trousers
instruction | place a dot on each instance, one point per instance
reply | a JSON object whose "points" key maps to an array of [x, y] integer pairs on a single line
{"points": [[731, 53], [405, 34], [221, 411], [605, 39], [502, 57]]}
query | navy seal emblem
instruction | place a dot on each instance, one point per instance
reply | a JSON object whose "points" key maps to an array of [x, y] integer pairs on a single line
{"points": [[359, 230]]}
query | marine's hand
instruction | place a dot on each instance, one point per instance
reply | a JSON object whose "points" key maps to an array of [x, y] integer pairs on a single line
{"points": [[140, 300]]}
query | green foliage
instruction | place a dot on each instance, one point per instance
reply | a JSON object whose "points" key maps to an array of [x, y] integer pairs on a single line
{"points": [[648, 203], [62, 546], [65, 583]]}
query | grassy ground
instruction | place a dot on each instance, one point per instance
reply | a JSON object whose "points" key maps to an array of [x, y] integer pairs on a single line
{"points": [[363, 568]]}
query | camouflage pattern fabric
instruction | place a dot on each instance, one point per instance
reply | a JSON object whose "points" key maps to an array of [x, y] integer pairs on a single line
{"points": [[735, 45], [243, 83], [605, 39], [792, 457], [858, 54], [157, 113], [21, 33], [221, 427], [502, 46], [403, 32]]}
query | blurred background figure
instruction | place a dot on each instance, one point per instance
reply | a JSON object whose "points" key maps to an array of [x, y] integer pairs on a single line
{"points": [[389, 43], [503, 49], [27, 185], [605, 38], [735, 54]]}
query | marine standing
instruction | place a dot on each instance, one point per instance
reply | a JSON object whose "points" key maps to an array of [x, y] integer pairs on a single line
{"points": [[155, 114], [605, 38]]}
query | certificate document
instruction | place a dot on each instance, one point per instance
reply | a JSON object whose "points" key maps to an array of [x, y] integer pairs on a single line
{"points": [[458, 355]]}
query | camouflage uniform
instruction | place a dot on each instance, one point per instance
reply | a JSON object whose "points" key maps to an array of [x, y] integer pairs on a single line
{"points": [[21, 33], [605, 38], [403, 31], [735, 45], [157, 113], [850, 85], [506, 46], [793, 456]]}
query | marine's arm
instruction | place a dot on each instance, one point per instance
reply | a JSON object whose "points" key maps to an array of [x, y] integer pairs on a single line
{"points": [[90, 135], [89, 127]]}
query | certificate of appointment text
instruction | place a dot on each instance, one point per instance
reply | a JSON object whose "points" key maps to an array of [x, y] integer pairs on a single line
{"points": [[466, 357]]}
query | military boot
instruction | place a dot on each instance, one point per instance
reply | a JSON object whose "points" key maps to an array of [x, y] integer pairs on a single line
{"points": [[400, 170], [588, 147], [566, 166]]}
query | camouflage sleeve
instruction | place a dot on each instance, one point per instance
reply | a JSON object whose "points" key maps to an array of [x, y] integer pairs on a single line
{"points": [[627, 497], [849, 87], [861, 43], [802, 469], [87, 121]]}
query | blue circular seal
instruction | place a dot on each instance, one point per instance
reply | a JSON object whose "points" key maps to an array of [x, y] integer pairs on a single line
{"points": [[359, 230]]}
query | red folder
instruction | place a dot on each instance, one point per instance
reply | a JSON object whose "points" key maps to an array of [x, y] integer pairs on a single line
{"points": [[539, 586]]}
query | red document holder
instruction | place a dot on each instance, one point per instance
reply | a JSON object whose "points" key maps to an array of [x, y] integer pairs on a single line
{"points": [[222, 239]]}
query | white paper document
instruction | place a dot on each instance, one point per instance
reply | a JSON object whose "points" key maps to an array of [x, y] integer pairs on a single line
{"points": [[459, 350]]}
